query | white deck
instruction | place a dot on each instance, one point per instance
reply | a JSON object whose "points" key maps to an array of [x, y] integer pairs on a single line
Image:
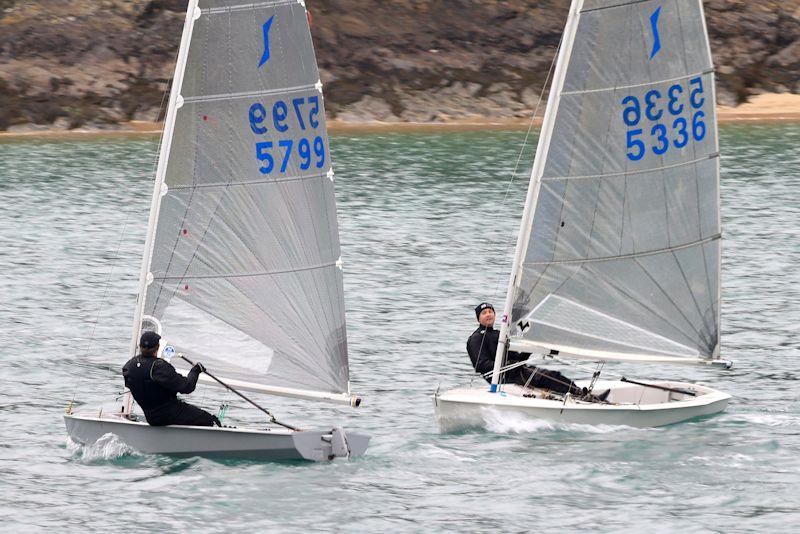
{"points": [[627, 404]]}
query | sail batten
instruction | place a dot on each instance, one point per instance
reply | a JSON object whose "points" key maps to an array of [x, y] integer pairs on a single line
{"points": [[245, 275], [643, 84], [715, 155], [609, 5], [629, 256], [252, 182], [251, 94], [624, 240], [247, 6]]}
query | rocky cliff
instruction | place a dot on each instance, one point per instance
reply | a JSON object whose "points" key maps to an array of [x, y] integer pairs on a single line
{"points": [[96, 63]]}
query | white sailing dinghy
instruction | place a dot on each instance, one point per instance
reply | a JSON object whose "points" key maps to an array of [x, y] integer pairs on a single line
{"points": [[242, 266], [618, 255]]}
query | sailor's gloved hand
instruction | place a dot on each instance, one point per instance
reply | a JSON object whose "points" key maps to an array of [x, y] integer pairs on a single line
{"points": [[199, 368], [514, 357]]}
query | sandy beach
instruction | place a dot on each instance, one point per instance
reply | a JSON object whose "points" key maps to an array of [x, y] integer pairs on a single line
{"points": [[766, 108], [763, 108]]}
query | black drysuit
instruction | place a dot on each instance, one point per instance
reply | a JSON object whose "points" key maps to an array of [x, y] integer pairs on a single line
{"points": [[154, 384], [482, 347]]}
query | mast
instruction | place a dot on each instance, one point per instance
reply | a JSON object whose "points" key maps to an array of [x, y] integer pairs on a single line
{"points": [[159, 188], [535, 182]]}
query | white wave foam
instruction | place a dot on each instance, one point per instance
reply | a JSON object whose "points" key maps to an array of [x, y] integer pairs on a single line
{"points": [[512, 423], [434, 451], [108, 447], [766, 419], [515, 423], [728, 460]]}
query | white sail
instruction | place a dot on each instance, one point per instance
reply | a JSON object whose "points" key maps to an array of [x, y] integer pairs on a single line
{"points": [[619, 254], [245, 272]]}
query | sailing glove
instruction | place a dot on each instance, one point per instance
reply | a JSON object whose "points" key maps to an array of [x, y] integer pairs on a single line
{"points": [[199, 368]]}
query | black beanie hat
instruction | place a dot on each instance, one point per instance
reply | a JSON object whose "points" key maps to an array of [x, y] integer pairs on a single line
{"points": [[480, 307], [149, 340]]}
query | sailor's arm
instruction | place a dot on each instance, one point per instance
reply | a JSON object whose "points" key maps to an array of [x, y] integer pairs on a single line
{"points": [[479, 350], [166, 376]]}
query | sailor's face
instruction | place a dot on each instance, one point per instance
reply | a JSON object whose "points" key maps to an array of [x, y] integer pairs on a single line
{"points": [[486, 318]]}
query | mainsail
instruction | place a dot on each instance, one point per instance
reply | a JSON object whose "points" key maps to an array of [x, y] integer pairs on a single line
{"points": [[619, 253], [245, 272]]}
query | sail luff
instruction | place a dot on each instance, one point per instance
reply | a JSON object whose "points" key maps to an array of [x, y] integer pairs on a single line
{"points": [[161, 170], [537, 171]]}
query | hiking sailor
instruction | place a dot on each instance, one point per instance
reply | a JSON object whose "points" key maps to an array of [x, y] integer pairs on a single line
{"points": [[482, 347], [154, 384]]}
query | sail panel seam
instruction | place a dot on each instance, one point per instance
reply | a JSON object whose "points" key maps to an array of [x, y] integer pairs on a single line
{"points": [[644, 84], [246, 7], [628, 173], [245, 275], [629, 3], [628, 256], [250, 182], [249, 94]]}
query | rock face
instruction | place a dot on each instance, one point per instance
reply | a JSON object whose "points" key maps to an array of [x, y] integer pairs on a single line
{"points": [[96, 63]]}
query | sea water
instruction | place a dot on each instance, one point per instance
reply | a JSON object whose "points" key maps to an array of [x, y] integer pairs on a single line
{"points": [[428, 223]]}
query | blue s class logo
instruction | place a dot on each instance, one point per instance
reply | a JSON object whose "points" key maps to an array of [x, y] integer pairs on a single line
{"points": [[654, 27], [265, 36]]}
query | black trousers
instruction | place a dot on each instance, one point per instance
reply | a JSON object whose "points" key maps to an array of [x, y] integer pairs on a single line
{"points": [[180, 413], [541, 378]]}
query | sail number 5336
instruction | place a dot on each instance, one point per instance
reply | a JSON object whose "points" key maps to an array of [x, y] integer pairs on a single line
{"points": [[660, 122], [298, 115]]}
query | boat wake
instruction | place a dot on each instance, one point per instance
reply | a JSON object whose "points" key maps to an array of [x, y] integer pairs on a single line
{"points": [[511, 423], [770, 419], [108, 447]]}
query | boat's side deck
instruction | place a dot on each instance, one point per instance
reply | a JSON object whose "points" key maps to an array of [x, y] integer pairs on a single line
{"points": [[623, 395], [119, 419]]}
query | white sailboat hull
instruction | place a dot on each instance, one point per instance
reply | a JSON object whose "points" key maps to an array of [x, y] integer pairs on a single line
{"points": [[627, 405], [234, 443]]}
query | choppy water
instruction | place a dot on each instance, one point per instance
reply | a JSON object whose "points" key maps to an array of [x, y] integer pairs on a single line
{"points": [[425, 236]]}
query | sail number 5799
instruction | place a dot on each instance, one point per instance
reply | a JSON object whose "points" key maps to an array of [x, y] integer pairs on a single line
{"points": [[664, 121], [301, 114]]}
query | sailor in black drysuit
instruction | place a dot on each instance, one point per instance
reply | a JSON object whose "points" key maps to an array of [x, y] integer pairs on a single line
{"points": [[482, 347], [154, 384]]}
